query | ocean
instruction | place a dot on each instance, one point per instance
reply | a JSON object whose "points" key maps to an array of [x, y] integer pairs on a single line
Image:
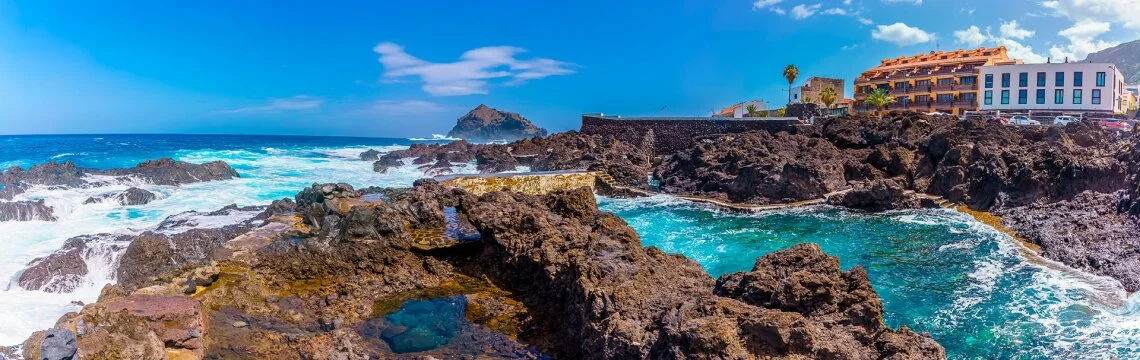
{"points": [[971, 287]]}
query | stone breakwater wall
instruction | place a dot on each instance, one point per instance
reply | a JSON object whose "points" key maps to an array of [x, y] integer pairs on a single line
{"points": [[671, 135], [538, 183]]}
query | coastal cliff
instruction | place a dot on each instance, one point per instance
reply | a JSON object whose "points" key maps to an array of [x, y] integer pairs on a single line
{"points": [[336, 273], [483, 124]]}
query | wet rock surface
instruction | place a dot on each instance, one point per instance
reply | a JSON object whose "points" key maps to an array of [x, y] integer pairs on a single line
{"points": [[163, 171], [880, 195], [26, 211], [130, 197], [547, 275]]}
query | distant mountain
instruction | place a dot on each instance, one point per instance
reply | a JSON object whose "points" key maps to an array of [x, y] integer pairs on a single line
{"points": [[486, 124], [1126, 56]]}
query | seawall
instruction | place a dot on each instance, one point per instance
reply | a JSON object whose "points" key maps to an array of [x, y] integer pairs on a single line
{"points": [[534, 183], [671, 135]]}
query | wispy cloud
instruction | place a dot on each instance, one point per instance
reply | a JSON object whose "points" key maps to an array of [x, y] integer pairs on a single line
{"points": [[404, 107], [916, 2], [802, 11], [295, 103], [901, 34], [472, 73]]}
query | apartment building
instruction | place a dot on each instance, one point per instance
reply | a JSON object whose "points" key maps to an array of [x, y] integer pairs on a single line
{"points": [[1072, 87], [942, 81]]}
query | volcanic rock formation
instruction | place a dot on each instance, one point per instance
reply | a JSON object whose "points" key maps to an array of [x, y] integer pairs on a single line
{"points": [[483, 124], [553, 272]]}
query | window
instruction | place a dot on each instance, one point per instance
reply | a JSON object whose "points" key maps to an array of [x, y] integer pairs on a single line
{"points": [[902, 85], [1041, 79], [1040, 96], [922, 82], [989, 99], [1005, 80], [1022, 96], [1060, 79], [1005, 97], [1023, 79], [946, 81], [1059, 96], [989, 81], [971, 97], [1077, 96], [1096, 97], [945, 98], [969, 80], [1078, 79], [922, 98], [1100, 79]]}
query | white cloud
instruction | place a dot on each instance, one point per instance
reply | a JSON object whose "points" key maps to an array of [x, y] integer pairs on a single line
{"points": [[916, 2], [971, 37], [901, 34], [802, 11], [1017, 50], [864, 21], [1012, 30], [1113, 11], [295, 103], [472, 73], [763, 4], [1082, 40], [835, 11], [404, 107]]}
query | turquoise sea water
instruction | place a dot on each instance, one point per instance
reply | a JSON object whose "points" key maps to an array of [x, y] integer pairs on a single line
{"points": [[937, 271]]}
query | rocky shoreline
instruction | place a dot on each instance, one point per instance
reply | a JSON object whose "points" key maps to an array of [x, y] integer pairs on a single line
{"points": [[16, 180], [329, 275], [1036, 178]]}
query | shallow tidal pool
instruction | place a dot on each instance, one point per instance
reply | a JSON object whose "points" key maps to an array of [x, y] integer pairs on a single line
{"points": [[937, 271]]}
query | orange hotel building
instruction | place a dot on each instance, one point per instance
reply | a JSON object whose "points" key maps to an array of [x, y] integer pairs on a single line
{"points": [[943, 81]]}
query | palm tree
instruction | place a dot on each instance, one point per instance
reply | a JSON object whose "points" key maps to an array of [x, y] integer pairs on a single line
{"points": [[751, 108], [791, 72], [879, 99], [827, 96], [807, 100]]}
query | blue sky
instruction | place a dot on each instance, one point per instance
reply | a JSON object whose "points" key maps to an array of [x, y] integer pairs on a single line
{"points": [[403, 68]]}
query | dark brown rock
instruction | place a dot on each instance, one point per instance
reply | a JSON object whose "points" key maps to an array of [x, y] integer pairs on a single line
{"points": [[486, 124]]}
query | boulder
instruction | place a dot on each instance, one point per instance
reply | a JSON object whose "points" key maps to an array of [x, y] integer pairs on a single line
{"points": [[58, 344], [370, 155], [130, 197]]}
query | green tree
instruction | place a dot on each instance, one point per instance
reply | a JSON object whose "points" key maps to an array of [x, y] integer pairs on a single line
{"points": [[879, 99], [791, 72], [807, 100], [751, 108], [828, 97], [779, 113]]}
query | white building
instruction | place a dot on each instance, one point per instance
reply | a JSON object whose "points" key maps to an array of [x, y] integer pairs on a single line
{"points": [[1085, 87], [740, 110]]}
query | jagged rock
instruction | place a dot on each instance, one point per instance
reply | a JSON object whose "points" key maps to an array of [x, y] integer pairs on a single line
{"points": [[486, 124], [370, 155], [495, 159], [1086, 233], [25, 211], [880, 195], [562, 276], [163, 171], [61, 272], [389, 160], [131, 196], [756, 167]]}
